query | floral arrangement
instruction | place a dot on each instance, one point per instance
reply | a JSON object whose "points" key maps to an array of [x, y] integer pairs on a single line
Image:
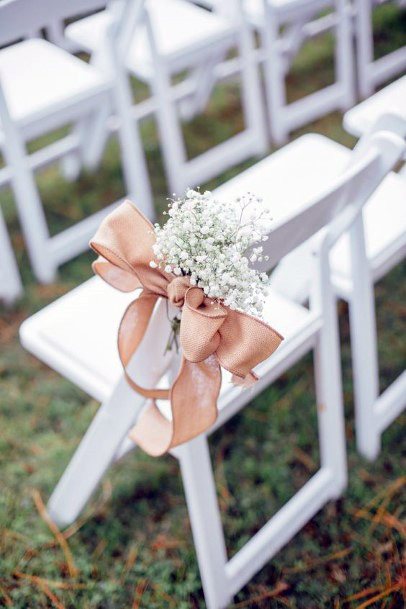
{"points": [[207, 240]]}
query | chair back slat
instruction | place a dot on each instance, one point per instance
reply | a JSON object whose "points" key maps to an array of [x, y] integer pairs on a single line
{"points": [[348, 193], [18, 18]]}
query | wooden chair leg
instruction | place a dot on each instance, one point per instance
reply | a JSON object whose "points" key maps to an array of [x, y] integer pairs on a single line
{"points": [[252, 100], [330, 408], [10, 282], [274, 80], [95, 453], [132, 152], [364, 349], [30, 211], [200, 491]]}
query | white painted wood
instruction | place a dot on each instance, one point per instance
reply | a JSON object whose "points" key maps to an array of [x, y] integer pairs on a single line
{"points": [[178, 36], [44, 88], [204, 513], [372, 73], [68, 337], [381, 234], [283, 27], [10, 283], [390, 100]]}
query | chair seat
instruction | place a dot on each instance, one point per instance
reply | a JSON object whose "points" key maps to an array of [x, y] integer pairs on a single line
{"points": [[77, 334], [183, 30], [314, 161], [38, 78], [392, 98], [289, 10]]}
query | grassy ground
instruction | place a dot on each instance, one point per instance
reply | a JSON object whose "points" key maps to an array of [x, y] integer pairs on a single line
{"points": [[132, 548]]}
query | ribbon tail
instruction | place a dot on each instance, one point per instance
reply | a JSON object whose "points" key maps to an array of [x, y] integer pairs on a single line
{"points": [[245, 342], [131, 333], [194, 396]]}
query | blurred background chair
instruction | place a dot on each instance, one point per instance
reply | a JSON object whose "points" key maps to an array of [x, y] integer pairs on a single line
{"points": [[372, 72], [284, 26], [76, 336], [388, 105], [384, 222], [10, 282], [178, 38], [43, 88]]}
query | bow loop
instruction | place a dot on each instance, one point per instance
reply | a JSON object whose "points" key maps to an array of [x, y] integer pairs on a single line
{"points": [[210, 333], [177, 289]]}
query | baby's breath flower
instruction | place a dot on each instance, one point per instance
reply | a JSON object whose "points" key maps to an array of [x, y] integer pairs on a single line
{"points": [[206, 239]]}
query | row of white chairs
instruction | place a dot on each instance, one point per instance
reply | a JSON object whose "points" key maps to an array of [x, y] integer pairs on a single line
{"points": [[43, 87], [325, 200]]}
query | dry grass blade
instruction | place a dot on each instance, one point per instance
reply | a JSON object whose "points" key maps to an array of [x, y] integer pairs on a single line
{"points": [[362, 594], [169, 599], [49, 582], [39, 504], [7, 599], [280, 588], [305, 459], [42, 585], [319, 561], [379, 596], [52, 597], [139, 593], [129, 563], [386, 519], [389, 490]]}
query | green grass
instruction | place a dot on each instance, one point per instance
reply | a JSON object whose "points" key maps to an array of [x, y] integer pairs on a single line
{"points": [[133, 546]]}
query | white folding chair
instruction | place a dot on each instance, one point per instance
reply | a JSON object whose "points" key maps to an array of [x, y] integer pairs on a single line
{"points": [[10, 282], [177, 37], [284, 25], [388, 106], [373, 72], [384, 221], [76, 335], [42, 88]]}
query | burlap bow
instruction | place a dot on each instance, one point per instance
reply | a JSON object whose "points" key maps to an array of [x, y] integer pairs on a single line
{"points": [[211, 334]]}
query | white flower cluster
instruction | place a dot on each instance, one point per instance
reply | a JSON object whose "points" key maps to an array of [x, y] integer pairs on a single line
{"points": [[207, 239]]}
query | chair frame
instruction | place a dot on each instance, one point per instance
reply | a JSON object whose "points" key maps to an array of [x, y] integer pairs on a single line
{"points": [[106, 440], [372, 73], [172, 102], [374, 412], [47, 253], [279, 49], [10, 282]]}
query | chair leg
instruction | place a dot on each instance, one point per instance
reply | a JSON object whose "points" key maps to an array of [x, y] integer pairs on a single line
{"points": [[200, 490], [363, 346], [204, 80], [170, 132], [10, 282], [344, 54], [92, 133], [30, 210], [132, 152], [252, 102], [330, 409], [365, 46], [94, 454], [274, 80], [365, 371], [96, 141]]}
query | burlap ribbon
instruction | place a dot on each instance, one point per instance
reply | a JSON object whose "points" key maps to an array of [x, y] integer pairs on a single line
{"points": [[211, 334]]}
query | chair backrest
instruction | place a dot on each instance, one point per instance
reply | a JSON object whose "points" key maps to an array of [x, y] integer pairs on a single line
{"points": [[19, 17], [337, 208]]}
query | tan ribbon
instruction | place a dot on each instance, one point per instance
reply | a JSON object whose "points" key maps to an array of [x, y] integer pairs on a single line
{"points": [[211, 334]]}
